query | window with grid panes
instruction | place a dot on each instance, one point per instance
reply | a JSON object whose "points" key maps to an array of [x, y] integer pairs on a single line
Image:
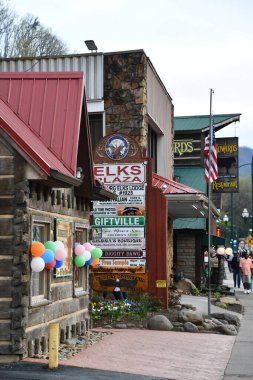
{"points": [[40, 281], [81, 274]]}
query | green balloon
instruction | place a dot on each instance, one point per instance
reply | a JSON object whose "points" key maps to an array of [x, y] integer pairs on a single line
{"points": [[96, 253], [50, 245], [79, 261]]}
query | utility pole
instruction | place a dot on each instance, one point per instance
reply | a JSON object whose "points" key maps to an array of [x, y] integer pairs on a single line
{"points": [[231, 219]]}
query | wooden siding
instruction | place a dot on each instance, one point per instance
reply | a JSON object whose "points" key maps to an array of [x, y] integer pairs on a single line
{"points": [[157, 249]]}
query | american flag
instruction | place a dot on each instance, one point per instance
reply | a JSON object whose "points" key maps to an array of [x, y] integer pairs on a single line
{"points": [[213, 159]]}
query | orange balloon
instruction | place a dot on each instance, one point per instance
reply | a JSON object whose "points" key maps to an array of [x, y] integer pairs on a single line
{"points": [[37, 249], [94, 262]]}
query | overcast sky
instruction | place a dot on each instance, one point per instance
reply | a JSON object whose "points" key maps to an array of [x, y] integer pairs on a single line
{"points": [[194, 45]]}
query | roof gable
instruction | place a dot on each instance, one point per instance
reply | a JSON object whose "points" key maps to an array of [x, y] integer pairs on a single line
{"points": [[201, 122], [41, 112]]}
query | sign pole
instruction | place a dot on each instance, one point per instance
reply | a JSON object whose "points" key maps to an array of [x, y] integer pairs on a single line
{"points": [[209, 203]]}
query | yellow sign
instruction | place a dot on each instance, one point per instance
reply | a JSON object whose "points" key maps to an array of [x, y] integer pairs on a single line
{"points": [[249, 240], [161, 283]]}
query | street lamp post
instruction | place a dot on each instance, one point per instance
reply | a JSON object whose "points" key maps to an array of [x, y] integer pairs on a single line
{"points": [[245, 215], [225, 220], [249, 163]]}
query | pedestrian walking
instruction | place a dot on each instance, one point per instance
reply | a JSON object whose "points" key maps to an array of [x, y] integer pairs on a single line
{"points": [[235, 265], [229, 260], [251, 284], [246, 269], [241, 248]]}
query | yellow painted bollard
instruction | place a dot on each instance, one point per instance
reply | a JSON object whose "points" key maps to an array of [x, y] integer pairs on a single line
{"points": [[53, 345]]}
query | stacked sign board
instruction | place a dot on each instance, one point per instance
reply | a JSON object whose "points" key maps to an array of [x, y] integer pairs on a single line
{"points": [[119, 226]]}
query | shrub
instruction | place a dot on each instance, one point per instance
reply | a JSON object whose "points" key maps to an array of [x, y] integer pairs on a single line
{"points": [[136, 308]]}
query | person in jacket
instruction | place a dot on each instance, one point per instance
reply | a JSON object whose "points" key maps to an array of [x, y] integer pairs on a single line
{"points": [[246, 269], [235, 265]]}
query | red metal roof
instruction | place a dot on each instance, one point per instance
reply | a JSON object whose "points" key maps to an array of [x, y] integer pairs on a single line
{"points": [[171, 187], [41, 112]]}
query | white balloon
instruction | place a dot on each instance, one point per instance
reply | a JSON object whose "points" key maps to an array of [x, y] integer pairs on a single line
{"points": [[59, 244], [229, 251], [86, 255], [88, 246], [220, 251], [37, 264]]}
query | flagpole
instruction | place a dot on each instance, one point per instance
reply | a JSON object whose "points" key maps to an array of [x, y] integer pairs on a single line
{"points": [[209, 201]]}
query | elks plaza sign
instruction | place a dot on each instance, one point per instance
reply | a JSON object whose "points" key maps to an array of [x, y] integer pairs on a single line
{"points": [[118, 226], [116, 173]]}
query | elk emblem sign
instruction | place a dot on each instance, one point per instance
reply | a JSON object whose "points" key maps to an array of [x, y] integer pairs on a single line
{"points": [[116, 147]]}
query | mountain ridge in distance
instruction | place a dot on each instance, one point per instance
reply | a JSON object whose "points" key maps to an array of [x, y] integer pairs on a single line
{"points": [[245, 158]]}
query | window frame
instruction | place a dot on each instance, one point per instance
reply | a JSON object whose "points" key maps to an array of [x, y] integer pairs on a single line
{"points": [[92, 116], [45, 297], [83, 278], [152, 147]]}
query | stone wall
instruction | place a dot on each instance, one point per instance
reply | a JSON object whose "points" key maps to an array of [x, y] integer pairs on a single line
{"points": [[14, 283], [23, 326], [125, 94], [186, 248]]}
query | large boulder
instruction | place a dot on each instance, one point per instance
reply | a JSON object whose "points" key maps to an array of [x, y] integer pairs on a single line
{"points": [[230, 318], [227, 329], [193, 316], [232, 304], [159, 322], [186, 286], [190, 327]]}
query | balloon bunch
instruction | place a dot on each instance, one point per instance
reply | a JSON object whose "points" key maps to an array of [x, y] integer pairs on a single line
{"points": [[48, 255], [87, 254]]}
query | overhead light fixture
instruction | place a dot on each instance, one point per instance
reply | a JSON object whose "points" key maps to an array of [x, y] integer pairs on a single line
{"points": [[79, 172], [91, 45], [194, 206]]}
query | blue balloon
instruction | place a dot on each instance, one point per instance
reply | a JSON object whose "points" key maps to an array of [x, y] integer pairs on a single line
{"points": [[88, 262], [48, 256], [58, 264]]}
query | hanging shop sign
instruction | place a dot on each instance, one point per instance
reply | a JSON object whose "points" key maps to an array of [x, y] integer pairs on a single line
{"points": [[118, 232], [127, 190], [122, 262], [127, 281], [128, 200], [227, 161], [118, 243], [120, 210], [122, 221], [120, 173], [129, 254]]}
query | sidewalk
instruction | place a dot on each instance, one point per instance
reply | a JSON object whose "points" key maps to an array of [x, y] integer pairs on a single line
{"points": [[240, 364], [155, 355]]}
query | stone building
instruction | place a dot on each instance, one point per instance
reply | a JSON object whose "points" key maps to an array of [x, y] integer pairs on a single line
{"points": [[44, 131]]}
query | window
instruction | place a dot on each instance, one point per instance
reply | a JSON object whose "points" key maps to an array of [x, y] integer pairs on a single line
{"points": [[40, 281], [81, 277], [96, 128], [152, 147]]}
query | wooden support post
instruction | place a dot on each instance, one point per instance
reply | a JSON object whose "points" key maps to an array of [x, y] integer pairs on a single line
{"points": [[53, 345]]}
